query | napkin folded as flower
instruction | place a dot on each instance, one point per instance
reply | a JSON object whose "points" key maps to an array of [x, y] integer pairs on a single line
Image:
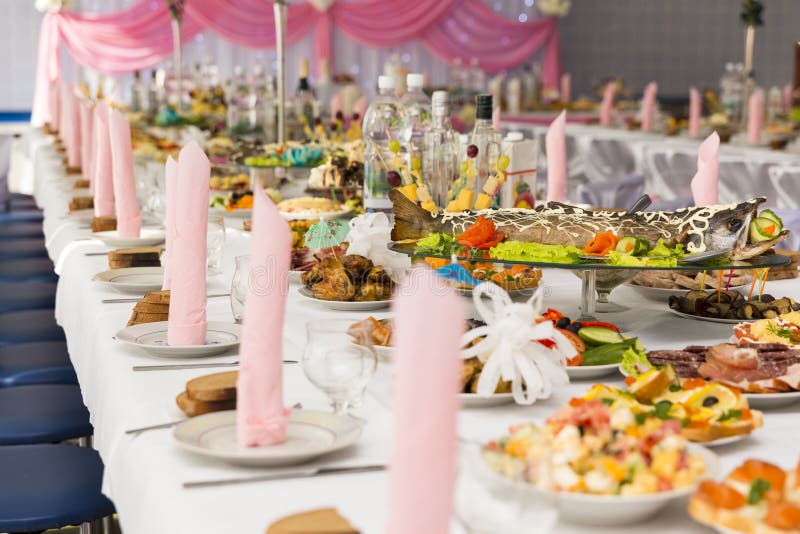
{"points": [[427, 378], [369, 236], [705, 184], [261, 418], [87, 136], [695, 111], [171, 179], [129, 220], [103, 181], [649, 106], [755, 117], [607, 105], [187, 304], [556, 145]]}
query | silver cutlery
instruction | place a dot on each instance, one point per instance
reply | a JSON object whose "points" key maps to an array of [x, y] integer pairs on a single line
{"points": [[308, 473], [95, 253], [180, 366], [118, 301]]}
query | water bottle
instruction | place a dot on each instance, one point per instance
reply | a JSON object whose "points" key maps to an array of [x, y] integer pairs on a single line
{"points": [[386, 135], [440, 163], [418, 112]]}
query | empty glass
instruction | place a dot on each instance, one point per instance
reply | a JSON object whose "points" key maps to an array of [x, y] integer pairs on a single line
{"points": [[339, 359], [215, 242], [239, 286]]}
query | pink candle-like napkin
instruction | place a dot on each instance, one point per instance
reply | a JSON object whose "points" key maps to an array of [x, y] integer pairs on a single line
{"points": [[261, 418], [649, 106], [607, 105], [187, 303], [429, 323], [62, 104], [787, 98], [556, 146], [695, 111], [129, 220], [705, 184], [73, 125], [86, 140], [55, 100], [102, 181], [566, 88], [171, 178], [755, 117]]}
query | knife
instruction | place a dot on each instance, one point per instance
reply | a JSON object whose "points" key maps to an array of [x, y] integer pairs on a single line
{"points": [[309, 473], [179, 366]]}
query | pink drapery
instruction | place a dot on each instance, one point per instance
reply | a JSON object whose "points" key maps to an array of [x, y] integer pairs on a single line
{"points": [[140, 36]]}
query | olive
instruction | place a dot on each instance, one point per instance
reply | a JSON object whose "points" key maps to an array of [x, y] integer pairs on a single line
{"points": [[710, 401], [563, 322], [574, 327]]}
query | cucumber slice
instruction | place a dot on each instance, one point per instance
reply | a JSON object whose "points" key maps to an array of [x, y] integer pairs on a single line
{"points": [[642, 247], [769, 214], [596, 335], [763, 229], [627, 246]]}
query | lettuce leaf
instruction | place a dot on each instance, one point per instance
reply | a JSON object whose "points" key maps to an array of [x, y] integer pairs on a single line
{"points": [[437, 244], [634, 362], [521, 251]]}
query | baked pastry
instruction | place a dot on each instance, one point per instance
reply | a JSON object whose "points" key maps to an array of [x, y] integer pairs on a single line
{"points": [[81, 203], [104, 224], [135, 257], [322, 521], [192, 407], [215, 387]]}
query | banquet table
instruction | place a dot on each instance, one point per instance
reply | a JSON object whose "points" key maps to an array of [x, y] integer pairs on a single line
{"points": [[144, 473]]}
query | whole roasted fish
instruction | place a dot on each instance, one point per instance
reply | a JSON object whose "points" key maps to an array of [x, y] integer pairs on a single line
{"points": [[699, 229]]}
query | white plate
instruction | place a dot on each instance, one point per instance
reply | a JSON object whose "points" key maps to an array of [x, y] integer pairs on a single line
{"points": [[295, 277], [243, 213], [662, 295], [309, 435], [345, 305], [518, 293], [710, 319], [152, 338], [472, 400], [765, 401], [721, 442], [609, 510], [134, 280], [584, 372], [147, 237], [306, 215]]}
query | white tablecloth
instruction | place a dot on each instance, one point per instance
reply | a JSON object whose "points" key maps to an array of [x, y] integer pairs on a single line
{"points": [[144, 473]]}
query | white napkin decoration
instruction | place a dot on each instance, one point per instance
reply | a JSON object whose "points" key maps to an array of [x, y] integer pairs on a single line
{"points": [[369, 236], [510, 350]]}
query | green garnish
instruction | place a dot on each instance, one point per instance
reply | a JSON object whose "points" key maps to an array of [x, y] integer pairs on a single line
{"points": [[730, 414], [758, 488], [640, 418], [522, 251], [437, 244], [607, 401], [662, 409], [785, 333], [675, 387]]}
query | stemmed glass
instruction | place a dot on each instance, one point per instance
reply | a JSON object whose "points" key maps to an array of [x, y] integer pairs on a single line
{"points": [[339, 359], [215, 243], [241, 277]]}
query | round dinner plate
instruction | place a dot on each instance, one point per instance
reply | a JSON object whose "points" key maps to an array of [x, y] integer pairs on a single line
{"points": [[721, 442], [518, 293], [152, 338], [473, 400], [133, 280], [609, 510], [662, 295], [309, 435], [585, 372], [345, 305], [306, 215], [765, 401], [243, 213], [147, 237], [710, 319]]}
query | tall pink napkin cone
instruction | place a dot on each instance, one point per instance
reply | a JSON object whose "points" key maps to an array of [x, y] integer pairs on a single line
{"points": [[705, 184], [649, 106], [787, 98], [556, 146], [496, 117], [54, 100], [566, 88], [429, 322], [87, 136], [73, 126], [129, 220], [261, 418], [695, 111], [187, 302], [607, 105], [103, 180], [337, 102], [62, 104], [755, 117], [171, 179]]}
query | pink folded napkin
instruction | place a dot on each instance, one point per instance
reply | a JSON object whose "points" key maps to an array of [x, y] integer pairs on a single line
{"points": [[705, 184], [566, 88], [102, 181], [187, 303], [496, 118], [649, 106], [62, 104], [129, 220], [171, 181], [73, 127], [556, 146], [755, 117], [55, 100], [429, 323], [337, 102], [87, 124], [261, 418], [607, 105], [695, 111], [787, 98]]}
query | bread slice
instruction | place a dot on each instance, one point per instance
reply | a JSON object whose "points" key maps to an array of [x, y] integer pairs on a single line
{"points": [[104, 224], [322, 521], [247, 225], [192, 407], [135, 257], [82, 184], [151, 307], [213, 387], [142, 317], [81, 203], [157, 297]]}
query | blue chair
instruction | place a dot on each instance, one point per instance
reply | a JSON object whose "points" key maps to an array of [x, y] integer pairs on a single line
{"points": [[50, 486], [27, 296], [22, 229], [11, 217], [32, 269], [22, 248], [29, 326], [42, 414], [612, 193], [29, 364]]}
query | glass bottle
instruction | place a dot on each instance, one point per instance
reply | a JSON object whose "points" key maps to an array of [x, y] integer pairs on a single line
{"points": [[418, 112], [482, 153], [386, 135], [440, 163], [237, 100], [304, 100]]}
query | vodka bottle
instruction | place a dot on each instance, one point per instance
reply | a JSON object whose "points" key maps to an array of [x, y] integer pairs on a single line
{"points": [[418, 112], [440, 163]]}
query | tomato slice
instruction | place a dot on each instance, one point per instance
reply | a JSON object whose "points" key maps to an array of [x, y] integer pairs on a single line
{"points": [[600, 324]]}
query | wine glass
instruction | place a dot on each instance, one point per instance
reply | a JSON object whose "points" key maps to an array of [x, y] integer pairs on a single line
{"points": [[239, 286], [339, 359], [215, 243]]}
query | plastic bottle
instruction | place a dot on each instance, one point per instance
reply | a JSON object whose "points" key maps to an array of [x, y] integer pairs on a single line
{"points": [[418, 112], [386, 134], [440, 163]]}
